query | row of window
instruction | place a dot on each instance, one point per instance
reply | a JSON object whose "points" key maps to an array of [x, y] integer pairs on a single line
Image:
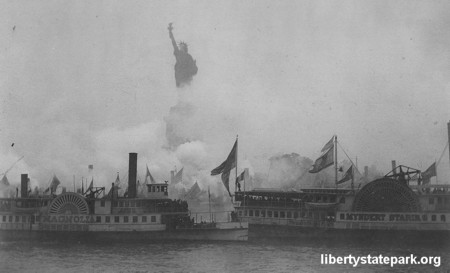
{"points": [[98, 219], [124, 219], [274, 214], [440, 200]]}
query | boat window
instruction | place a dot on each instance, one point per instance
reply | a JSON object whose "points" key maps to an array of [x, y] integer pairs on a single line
{"points": [[257, 213], [4, 218], [431, 201], [342, 200], [439, 200], [17, 218], [282, 214], [275, 214], [289, 214], [269, 213], [433, 217], [443, 218], [263, 213], [125, 219], [144, 219], [38, 218], [245, 212], [98, 219], [240, 213], [333, 199], [127, 204], [250, 213], [24, 219], [153, 219], [132, 204], [135, 219], [120, 203], [107, 219], [116, 219], [102, 203], [295, 214]]}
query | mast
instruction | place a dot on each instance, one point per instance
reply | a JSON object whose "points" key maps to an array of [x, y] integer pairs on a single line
{"points": [[335, 161], [448, 135], [209, 203]]}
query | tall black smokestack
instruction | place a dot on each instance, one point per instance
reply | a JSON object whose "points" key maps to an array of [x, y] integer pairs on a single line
{"points": [[24, 185], [132, 170], [394, 165]]}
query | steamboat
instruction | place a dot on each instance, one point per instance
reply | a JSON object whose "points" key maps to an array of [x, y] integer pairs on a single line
{"points": [[88, 216], [401, 206]]}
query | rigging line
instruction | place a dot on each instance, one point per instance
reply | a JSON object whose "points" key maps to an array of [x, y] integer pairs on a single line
{"points": [[442, 154], [339, 143]]}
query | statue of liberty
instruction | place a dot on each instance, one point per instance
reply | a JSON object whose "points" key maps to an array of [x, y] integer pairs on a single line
{"points": [[185, 66]]}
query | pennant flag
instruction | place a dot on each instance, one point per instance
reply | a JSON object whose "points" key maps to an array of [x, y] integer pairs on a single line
{"points": [[241, 177], [324, 161], [178, 177], [430, 172], [226, 167], [47, 190], [116, 191], [328, 145], [193, 192], [347, 176], [117, 182], [54, 184], [90, 167], [91, 186], [4, 181], [149, 175]]}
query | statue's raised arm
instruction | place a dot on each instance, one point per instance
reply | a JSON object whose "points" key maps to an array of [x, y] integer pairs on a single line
{"points": [[170, 28]]}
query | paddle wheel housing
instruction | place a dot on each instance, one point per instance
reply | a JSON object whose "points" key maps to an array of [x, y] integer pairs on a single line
{"points": [[69, 203], [386, 195]]}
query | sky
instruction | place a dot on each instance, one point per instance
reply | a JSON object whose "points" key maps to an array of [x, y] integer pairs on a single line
{"points": [[87, 82]]}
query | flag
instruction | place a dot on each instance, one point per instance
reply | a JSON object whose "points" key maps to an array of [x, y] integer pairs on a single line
{"points": [[193, 192], [47, 190], [90, 167], [4, 181], [328, 145], [178, 177], [324, 161], [151, 177], [430, 172], [54, 184], [347, 176], [226, 167]]}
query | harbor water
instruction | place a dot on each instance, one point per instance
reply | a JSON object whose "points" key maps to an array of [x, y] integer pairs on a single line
{"points": [[176, 256]]}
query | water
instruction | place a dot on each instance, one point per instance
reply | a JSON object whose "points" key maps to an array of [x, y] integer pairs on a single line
{"points": [[20, 256]]}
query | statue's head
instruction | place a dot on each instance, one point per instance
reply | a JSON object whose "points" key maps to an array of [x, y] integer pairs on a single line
{"points": [[183, 46]]}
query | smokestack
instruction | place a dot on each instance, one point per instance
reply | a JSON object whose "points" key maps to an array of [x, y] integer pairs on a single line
{"points": [[24, 185], [132, 171], [366, 173], [393, 167]]}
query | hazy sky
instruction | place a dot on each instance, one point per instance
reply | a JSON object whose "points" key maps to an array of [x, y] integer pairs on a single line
{"points": [[87, 82]]}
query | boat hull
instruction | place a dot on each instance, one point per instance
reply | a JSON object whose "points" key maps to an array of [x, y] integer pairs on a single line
{"points": [[213, 234], [258, 232]]}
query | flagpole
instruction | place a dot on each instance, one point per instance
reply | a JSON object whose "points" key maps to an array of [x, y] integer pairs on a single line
{"points": [[235, 183], [435, 168]]}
